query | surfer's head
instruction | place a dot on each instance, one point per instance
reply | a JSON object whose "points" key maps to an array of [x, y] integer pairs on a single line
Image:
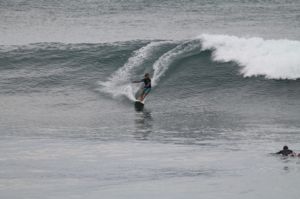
{"points": [[147, 75], [285, 148]]}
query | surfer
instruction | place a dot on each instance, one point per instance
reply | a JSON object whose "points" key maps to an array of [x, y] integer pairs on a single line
{"points": [[286, 152], [147, 86]]}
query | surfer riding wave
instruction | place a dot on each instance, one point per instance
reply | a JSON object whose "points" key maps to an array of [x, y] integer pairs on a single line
{"points": [[147, 86]]}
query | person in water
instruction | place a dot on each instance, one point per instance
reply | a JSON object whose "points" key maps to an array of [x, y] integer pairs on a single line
{"points": [[286, 152], [147, 86]]}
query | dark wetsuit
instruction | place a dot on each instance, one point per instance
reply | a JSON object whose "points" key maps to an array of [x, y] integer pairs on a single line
{"points": [[285, 152], [147, 86]]}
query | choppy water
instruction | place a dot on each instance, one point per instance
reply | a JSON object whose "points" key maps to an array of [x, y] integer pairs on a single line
{"points": [[225, 95]]}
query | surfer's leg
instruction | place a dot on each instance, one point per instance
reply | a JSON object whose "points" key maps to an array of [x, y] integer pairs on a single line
{"points": [[146, 91], [142, 95]]}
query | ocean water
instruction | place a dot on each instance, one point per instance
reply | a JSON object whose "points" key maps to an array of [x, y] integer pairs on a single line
{"points": [[226, 89]]}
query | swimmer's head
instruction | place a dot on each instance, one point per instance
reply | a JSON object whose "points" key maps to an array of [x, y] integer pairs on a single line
{"points": [[285, 148]]}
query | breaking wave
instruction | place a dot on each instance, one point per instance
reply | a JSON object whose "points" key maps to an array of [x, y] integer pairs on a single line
{"points": [[115, 65], [273, 59]]}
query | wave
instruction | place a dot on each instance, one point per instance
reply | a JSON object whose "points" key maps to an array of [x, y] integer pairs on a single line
{"points": [[116, 65], [273, 59]]}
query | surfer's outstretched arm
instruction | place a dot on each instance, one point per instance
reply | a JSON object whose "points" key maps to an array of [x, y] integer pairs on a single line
{"points": [[139, 81]]}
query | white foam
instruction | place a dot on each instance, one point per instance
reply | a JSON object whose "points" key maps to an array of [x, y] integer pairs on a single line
{"points": [[274, 59], [119, 84]]}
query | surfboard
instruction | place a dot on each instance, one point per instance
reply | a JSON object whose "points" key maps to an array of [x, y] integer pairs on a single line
{"points": [[139, 105]]}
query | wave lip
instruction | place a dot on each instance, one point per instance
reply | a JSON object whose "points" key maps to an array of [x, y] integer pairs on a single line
{"points": [[274, 59]]}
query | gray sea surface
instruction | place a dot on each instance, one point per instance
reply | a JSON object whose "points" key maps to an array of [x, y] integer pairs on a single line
{"points": [[87, 21]]}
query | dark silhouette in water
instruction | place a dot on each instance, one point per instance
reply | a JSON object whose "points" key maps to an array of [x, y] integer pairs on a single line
{"points": [[286, 152]]}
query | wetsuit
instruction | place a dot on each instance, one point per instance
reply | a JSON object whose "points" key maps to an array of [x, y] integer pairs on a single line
{"points": [[147, 85], [285, 152]]}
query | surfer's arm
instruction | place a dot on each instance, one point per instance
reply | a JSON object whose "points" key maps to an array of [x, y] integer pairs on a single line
{"points": [[139, 81]]}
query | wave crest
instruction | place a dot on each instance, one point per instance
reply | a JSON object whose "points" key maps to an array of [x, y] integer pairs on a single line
{"points": [[274, 59]]}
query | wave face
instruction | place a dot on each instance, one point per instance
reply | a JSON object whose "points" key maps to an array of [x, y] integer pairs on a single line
{"points": [[205, 61]]}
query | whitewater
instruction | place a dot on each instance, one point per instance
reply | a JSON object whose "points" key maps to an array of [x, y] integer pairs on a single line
{"points": [[225, 97]]}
